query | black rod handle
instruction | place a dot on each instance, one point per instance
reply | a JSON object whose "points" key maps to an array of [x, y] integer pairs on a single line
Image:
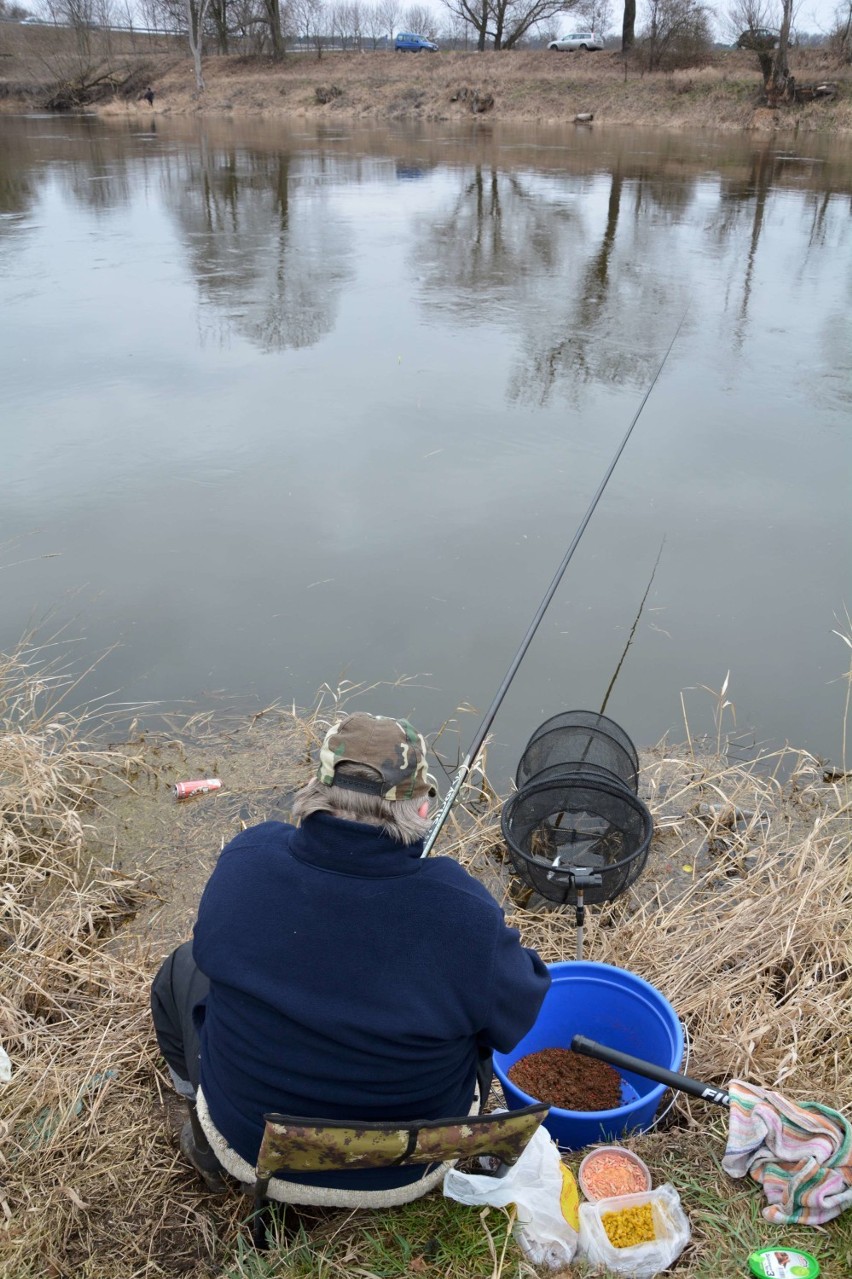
{"points": [[683, 1083]]}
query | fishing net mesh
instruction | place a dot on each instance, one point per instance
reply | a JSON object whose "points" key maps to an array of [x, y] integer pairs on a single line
{"points": [[580, 742], [568, 828]]}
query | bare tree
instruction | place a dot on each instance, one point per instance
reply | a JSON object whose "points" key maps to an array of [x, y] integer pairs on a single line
{"points": [[374, 26], [104, 17], [104, 13], [596, 14], [753, 19], [514, 18], [389, 11], [354, 22], [272, 15], [840, 39], [747, 15], [506, 21], [678, 33], [151, 14], [420, 19], [169, 15], [220, 16], [628, 26], [196, 13], [779, 79], [338, 27], [471, 13], [358, 19], [77, 14], [455, 33], [244, 19], [309, 21], [126, 14]]}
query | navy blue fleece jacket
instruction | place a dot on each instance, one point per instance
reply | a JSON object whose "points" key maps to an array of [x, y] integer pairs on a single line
{"points": [[351, 978]]}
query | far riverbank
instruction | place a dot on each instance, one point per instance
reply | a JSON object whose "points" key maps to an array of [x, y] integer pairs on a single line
{"points": [[535, 86]]}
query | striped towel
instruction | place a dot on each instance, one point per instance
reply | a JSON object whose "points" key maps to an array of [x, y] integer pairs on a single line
{"points": [[801, 1152]]}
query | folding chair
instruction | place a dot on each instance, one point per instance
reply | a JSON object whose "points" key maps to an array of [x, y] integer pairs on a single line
{"points": [[293, 1146]]}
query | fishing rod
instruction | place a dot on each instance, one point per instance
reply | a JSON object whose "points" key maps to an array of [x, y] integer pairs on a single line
{"points": [[488, 719]]}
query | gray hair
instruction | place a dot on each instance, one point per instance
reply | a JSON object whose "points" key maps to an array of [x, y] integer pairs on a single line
{"points": [[399, 818]]}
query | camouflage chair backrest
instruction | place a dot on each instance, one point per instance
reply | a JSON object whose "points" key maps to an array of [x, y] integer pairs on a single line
{"points": [[315, 1145]]}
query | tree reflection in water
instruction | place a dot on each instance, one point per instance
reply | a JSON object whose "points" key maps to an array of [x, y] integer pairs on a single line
{"points": [[436, 275], [269, 266], [583, 255], [507, 243]]}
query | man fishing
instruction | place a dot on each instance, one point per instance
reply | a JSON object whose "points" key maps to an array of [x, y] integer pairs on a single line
{"points": [[336, 973]]}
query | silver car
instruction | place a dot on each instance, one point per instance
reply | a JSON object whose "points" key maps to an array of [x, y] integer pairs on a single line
{"points": [[586, 40]]}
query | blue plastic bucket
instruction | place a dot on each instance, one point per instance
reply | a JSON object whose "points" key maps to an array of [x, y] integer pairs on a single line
{"points": [[618, 1009]]}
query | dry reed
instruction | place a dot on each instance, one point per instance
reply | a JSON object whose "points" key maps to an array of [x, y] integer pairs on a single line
{"points": [[742, 919]]}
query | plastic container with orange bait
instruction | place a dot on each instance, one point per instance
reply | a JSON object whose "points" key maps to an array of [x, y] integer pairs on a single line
{"points": [[612, 1171]]}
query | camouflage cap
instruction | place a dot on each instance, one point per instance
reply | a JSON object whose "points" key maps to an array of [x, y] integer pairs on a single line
{"points": [[392, 747]]}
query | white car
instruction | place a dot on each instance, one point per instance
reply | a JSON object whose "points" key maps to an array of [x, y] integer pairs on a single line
{"points": [[585, 40]]}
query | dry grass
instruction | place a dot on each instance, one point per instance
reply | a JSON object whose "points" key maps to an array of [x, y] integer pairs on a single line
{"points": [[742, 918], [750, 941], [71, 1009], [531, 86], [534, 86]]}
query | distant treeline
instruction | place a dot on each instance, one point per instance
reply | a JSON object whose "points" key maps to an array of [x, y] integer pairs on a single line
{"points": [[324, 26]]}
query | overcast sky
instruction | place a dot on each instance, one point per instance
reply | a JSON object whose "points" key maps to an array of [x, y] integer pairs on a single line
{"points": [[809, 15]]}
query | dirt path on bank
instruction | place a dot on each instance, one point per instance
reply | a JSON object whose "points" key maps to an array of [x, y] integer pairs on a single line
{"points": [[534, 86]]}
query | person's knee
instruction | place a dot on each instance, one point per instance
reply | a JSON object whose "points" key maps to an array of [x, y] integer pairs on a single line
{"points": [[182, 1087], [174, 990]]}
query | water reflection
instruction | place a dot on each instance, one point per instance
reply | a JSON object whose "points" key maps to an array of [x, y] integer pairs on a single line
{"points": [[585, 343], [375, 376], [494, 233], [264, 246], [540, 249], [530, 232]]}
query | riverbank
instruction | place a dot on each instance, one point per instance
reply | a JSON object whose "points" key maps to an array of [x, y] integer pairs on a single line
{"points": [[743, 923], [527, 87], [535, 86]]}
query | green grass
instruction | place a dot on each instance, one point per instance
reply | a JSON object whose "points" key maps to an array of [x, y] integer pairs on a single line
{"points": [[726, 1215], [436, 1237], [433, 1236]]}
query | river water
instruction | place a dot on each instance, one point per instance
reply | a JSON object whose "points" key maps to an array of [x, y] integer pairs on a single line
{"points": [[285, 408]]}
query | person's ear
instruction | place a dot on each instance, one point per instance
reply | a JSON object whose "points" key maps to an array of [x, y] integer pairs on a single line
{"points": [[423, 810]]}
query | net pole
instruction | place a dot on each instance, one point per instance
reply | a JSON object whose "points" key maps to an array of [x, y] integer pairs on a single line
{"points": [[581, 919], [488, 719]]}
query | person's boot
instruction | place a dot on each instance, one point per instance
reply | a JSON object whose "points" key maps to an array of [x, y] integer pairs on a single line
{"points": [[195, 1147]]}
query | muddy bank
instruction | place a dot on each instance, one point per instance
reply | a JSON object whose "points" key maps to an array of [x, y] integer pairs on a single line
{"points": [[534, 86], [713, 820]]}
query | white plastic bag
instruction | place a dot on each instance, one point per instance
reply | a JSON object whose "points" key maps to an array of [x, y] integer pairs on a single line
{"points": [[544, 1194], [641, 1260]]}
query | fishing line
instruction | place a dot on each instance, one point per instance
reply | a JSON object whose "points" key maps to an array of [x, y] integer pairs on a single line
{"points": [[636, 621], [482, 732]]}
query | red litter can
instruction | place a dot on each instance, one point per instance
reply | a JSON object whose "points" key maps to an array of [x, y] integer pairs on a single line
{"points": [[200, 786]]}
